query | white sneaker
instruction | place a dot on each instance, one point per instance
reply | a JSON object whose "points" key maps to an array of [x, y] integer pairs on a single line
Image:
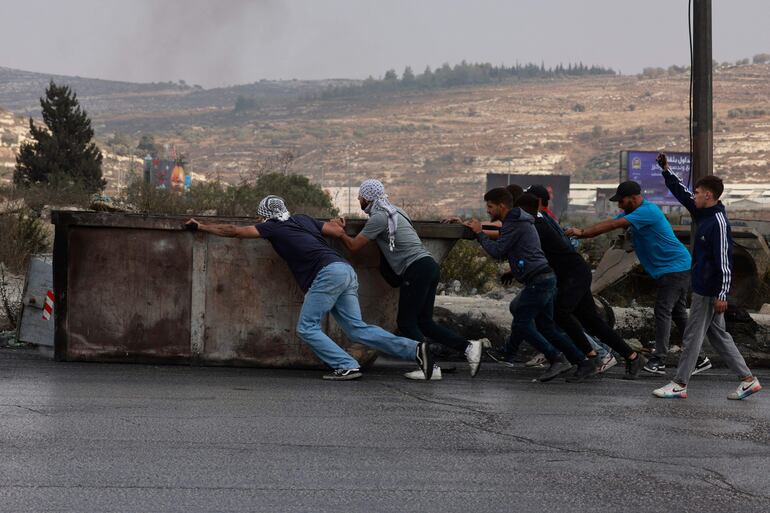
{"points": [[539, 360], [473, 354], [671, 391], [608, 362], [420, 375], [745, 389]]}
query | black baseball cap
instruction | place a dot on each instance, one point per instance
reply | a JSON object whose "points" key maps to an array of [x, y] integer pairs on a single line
{"points": [[540, 192], [629, 188]]}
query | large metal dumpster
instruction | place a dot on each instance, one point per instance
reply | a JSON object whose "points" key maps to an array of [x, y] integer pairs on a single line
{"points": [[138, 288]]}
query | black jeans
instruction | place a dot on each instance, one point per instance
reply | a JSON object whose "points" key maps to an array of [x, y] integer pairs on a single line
{"points": [[575, 312], [415, 306]]}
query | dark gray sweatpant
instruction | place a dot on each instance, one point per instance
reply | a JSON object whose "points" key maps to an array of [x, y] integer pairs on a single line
{"points": [[703, 321], [670, 305]]}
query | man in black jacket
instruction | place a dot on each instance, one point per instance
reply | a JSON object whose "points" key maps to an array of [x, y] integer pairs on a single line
{"points": [[519, 243], [574, 308]]}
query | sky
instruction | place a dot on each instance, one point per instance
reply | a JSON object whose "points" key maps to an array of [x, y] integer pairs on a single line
{"points": [[227, 42]]}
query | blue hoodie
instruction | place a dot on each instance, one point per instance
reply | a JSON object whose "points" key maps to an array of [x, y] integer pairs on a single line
{"points": [[713, 252], [520, 243]]}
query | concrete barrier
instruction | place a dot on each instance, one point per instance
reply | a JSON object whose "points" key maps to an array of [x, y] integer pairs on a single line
{"points": [[137, 288]]}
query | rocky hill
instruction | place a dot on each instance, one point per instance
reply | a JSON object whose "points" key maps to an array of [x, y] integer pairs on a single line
{"points": [[435, 147]]}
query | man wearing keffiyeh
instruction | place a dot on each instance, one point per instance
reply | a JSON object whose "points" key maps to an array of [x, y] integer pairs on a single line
{"points": [[373, 192], [273, 207], [404, 252], [330, 285]]}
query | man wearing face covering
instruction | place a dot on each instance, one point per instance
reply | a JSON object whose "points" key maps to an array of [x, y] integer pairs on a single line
{"points": [[419, 273], [330, 285]]}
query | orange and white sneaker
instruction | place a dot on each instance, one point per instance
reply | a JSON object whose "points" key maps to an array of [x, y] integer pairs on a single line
{"points": [[671, 391], [745, 389]]}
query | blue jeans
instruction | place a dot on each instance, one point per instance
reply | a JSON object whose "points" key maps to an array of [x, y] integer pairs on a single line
{"points": [[535, 302], [600, 347], [335, 290]]}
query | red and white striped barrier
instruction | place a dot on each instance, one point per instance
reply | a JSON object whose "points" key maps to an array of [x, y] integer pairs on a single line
{"points": [[48, 306]]}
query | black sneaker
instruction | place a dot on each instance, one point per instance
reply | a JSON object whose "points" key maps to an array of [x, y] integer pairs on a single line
{"points": [[501, 357], [424, 359], [634, 367], [586, 368], [343, 375], [559, 366], [655, 366], [703, 365]]}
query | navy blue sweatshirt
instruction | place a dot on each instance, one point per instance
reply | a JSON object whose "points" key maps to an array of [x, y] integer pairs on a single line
{"points": [[520, 244], [712, 255]]}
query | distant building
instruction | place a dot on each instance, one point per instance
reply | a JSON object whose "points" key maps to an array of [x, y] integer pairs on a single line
{"points": [[558, 186], [345, 199]]}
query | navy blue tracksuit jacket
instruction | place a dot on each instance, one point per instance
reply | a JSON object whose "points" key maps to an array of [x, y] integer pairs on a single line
{"points": [[712, 256]]}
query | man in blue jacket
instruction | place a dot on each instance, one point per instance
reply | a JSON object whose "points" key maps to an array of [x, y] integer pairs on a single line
{"points": [[519, 243], [711, 279]]}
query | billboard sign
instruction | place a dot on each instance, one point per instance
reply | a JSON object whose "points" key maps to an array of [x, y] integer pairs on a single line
{"points": [[165, 174], [642, 168]]}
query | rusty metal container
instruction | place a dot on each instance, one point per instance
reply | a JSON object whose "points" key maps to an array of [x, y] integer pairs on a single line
{"points": [[138, 288]]}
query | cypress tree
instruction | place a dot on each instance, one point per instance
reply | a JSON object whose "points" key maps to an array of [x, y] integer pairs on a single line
{"points": [[63, 150]]}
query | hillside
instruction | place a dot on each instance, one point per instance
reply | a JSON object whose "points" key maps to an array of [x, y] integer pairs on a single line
{"points": [[435, 147], [20, 91]]}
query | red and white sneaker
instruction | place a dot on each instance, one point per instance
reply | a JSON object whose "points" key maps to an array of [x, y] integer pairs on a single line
{"points": [[671, 391], [745, 389]]}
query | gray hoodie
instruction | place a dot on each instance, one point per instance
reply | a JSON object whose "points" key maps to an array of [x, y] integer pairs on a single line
{"points": [[519, 243]]}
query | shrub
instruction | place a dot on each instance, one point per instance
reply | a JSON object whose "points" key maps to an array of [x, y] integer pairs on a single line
{"points": [[232, 201], [10, 305], [468, 264], [23, 234], [57, 193], [747, 113]]}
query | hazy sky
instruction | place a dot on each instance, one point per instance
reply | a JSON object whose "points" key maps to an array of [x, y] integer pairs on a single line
{"points": [[230, 41]]}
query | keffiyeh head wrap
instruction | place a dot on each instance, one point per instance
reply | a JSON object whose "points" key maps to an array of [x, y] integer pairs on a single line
{"points": [[374, 192], [273, 207]]}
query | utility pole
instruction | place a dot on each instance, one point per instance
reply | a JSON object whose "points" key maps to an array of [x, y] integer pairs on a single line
{"points": [[702, 109], [702, 157]]}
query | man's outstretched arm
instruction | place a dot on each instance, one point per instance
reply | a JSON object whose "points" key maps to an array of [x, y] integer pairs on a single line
{"points": [[226, 230], [336, 228], [598, 228]]}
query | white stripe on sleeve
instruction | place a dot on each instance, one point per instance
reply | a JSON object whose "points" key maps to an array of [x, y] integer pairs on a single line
{"points": [[724, 246]]}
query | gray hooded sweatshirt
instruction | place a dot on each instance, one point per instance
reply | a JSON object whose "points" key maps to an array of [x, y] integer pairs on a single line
{"points": [[519, 243]]}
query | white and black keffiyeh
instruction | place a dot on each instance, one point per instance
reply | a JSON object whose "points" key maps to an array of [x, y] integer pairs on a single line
{"points": [[273, 207], [374, 192]]}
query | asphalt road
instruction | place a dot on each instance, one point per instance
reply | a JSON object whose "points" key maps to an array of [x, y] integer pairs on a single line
{"points": [[79, 437]]}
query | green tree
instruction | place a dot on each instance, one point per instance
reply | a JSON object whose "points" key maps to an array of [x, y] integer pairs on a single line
{"points": [[63, 150], [244, 103], [408, 76], [147, 145]]}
